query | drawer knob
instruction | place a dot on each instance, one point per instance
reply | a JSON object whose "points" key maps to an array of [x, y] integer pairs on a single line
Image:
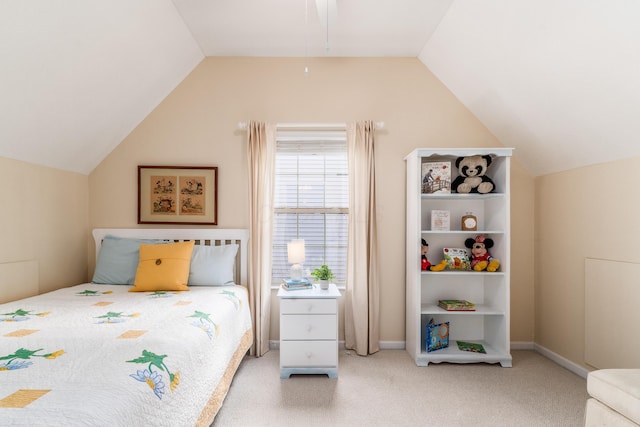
{"points": [[309, 327], [309, 354]]}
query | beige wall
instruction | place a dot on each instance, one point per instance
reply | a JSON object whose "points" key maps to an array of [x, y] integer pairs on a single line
{"points": [[591, 212], [43, 219], [587, 212], [197, 125]]}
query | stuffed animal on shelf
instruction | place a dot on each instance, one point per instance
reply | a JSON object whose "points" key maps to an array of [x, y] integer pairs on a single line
{"points": [[426, 265], [472, 176], [480, 258]]}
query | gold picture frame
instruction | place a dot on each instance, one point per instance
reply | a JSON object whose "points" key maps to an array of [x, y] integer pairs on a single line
{"points": [[178, 194]]}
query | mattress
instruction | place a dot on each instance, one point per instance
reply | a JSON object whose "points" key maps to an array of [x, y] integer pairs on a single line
{"points": [[97, 355]]}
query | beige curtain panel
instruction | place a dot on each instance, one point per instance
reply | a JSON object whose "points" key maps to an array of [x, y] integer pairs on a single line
{"points": [[362, 301], [261, 154]]}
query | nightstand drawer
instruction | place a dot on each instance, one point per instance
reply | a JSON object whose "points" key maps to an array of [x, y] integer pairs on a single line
{"points": [[308, 327], [308, 353], [308, 306]]}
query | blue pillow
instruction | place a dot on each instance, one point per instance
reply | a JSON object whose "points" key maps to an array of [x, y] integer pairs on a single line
{"points": [[212, 265], [118, 260]]}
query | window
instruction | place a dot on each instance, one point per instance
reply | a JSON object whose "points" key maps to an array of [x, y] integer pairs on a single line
{"points": [[311, 201]]}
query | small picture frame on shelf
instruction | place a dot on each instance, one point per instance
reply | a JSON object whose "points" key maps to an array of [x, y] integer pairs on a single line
{"points": [[436, 177], [469, 222], [440, 220]]}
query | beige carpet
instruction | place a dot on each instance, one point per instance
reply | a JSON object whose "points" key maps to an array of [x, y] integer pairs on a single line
{"points": [[387, 389]]}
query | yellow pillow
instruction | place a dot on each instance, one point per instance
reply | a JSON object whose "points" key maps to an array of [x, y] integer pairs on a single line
{"points": [[163, 267]]}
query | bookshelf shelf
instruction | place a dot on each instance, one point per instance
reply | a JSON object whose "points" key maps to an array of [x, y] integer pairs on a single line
{"points": [[455, 196], [452, 354], [481, 310], [465, 233]]}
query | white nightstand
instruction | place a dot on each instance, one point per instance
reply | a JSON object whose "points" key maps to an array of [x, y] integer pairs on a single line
{"points": [[309, 331]]}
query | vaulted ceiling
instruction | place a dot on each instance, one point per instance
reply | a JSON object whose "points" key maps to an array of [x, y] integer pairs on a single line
{"points": [[559, 80]]}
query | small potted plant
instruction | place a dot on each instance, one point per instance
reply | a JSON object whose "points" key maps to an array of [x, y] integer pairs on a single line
{"points": [[323, 275]]}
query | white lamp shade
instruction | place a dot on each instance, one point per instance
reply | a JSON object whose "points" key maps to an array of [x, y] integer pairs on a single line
{"points": [[295, 251]]}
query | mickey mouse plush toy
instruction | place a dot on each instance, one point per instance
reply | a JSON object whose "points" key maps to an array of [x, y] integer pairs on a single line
{"points": [[480, 257], [426, 265]]}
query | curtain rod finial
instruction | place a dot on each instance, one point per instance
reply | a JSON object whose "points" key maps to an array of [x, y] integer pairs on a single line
{"points": [[242, 125]]}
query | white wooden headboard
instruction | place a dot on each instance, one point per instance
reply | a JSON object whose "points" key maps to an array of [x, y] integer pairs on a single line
{"points": [[201, 236]]}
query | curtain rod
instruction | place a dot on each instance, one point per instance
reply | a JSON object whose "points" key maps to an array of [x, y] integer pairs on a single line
{"points": [[243, 125]]}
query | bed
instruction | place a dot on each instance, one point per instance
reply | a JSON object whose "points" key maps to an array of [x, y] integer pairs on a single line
{"points": [[99, 354]]}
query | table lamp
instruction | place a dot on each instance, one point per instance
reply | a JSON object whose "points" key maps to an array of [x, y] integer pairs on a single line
{"points": [[295, 252]]}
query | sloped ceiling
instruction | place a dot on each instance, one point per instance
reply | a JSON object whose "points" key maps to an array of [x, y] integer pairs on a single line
{"points": [[556, 79], [559, 80], [76, 76]]}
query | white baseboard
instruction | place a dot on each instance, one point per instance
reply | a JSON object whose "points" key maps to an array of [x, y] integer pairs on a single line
{"points": [[554, 357], [522, 345], [515, 345], [565, 363], [384, 345], [392, 345]]}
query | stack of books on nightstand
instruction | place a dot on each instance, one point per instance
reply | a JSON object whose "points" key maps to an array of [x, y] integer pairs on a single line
{"points": [[292, 285]]}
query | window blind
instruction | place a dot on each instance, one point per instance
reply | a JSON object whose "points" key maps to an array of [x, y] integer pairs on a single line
{"points": [[311, 200]]}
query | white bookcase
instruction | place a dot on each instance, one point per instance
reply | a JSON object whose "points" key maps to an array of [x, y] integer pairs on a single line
{"points": [[489, 324]]}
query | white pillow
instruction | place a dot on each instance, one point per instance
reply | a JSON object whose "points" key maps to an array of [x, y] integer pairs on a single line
{"points": [[212, 265]]}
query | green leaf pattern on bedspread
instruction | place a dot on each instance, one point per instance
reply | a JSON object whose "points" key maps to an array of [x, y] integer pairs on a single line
{"points": [[89, 293], [203, 322], [21, 358], [231, 296], [113, 317], [20, 315], [154, 378], [162, 294]]}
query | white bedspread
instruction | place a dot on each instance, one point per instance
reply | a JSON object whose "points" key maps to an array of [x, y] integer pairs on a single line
{"points": [[98, 355]]}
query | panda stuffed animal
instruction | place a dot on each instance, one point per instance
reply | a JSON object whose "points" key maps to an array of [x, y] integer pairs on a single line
{"points": [[472, 176]]}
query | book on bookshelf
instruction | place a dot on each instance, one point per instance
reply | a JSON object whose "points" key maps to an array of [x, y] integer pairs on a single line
{"points": [[440, 220], [291, 285], [456, 305], [437, 335], [436, 177], [456, 259], [471, 346]]}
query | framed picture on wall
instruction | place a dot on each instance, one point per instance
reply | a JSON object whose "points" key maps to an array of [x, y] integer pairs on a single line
{"points": [[178, 195]]}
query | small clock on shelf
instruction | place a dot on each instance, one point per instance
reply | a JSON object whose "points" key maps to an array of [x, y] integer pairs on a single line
{"points": [[469, 222]]}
